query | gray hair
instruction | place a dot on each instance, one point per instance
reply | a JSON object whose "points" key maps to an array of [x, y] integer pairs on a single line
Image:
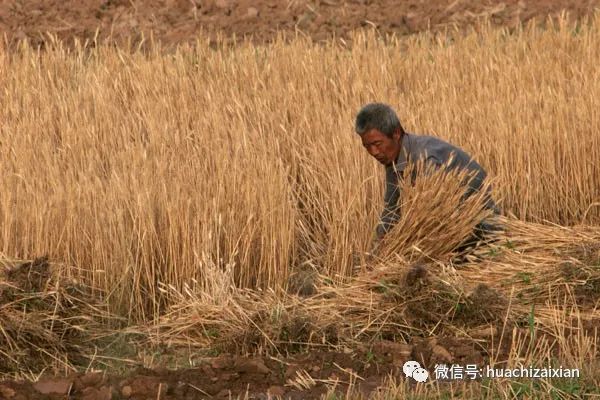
{"points": [[377, 116]]}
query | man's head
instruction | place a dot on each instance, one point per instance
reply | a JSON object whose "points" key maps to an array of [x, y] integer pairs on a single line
{"points": [[379, 128]]}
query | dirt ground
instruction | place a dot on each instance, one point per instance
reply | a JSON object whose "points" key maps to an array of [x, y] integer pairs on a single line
{"points": [[177, 21], [256, 377], [302, 375]]}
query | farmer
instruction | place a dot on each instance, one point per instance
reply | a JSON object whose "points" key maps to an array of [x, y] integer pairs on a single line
{"points": [[384, 138]]}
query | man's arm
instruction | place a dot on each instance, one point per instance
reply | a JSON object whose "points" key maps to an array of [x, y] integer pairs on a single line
{"points": [[391, 208]]}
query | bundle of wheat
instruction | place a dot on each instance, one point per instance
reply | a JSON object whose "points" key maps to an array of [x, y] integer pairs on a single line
{"points": [[536, 260], [411, 287], [437, 214], [396, 298]]}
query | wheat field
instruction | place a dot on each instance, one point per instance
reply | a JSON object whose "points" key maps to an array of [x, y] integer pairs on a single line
{"points": [[175, 181], [142, 168]]}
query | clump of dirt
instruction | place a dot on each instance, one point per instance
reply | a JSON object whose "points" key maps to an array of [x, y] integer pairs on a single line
{"points": [[303, 283], [589, 293], [483, 305], [43, 318], [290, 331], [297, 328], [404, 285], [416, 298], [428, 298], [589, 254], [584, 279], [31, 276], [416, 275], [434, 301], [447, 350]]}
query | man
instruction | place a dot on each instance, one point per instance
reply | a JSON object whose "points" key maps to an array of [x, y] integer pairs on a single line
{"points": [[384, 138]]}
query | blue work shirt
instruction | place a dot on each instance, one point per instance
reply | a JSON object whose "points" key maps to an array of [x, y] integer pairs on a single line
{"points": [[434, 151]]}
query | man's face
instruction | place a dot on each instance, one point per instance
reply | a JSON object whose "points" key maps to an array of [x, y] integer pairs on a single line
{"points": [[383, 148]]}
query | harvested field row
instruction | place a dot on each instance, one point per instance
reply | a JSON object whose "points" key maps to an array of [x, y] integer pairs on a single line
{"points": [[504, 286], [181, 21]]}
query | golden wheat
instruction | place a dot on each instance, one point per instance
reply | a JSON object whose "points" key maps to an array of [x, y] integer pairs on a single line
{"points": [[145, 168]]}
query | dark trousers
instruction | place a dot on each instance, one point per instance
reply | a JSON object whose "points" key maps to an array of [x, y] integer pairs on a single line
{"points": [[481, 234]]}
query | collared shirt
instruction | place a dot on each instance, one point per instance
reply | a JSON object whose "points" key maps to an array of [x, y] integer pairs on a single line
{"points": [[434, 151]]}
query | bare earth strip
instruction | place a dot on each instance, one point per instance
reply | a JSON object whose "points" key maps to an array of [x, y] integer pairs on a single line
{"points": [[177, 21]]}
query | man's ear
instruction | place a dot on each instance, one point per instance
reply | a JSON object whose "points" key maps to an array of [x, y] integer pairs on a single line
{"points": [[397, 135]]}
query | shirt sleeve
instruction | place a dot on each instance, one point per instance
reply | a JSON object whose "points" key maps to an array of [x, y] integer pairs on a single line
{"points": [[391, 208]]}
